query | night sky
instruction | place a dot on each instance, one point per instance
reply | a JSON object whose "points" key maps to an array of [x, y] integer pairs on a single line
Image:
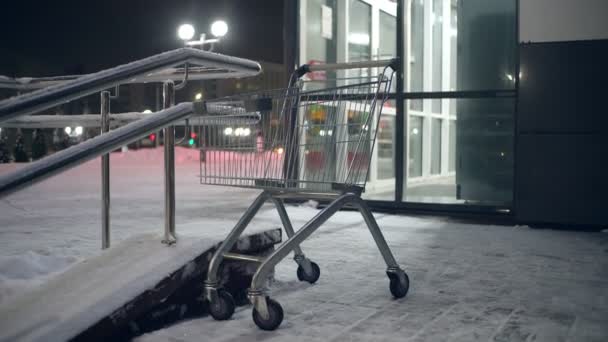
{"points": [[43, 38]]}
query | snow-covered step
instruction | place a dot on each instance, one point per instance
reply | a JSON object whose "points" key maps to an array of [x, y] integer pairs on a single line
{"points": [[112, 293]]}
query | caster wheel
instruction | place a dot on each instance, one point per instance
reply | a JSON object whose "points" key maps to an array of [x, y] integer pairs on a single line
{"points": [[399, 289], [275, 312], [223, 308], [311, 278]]}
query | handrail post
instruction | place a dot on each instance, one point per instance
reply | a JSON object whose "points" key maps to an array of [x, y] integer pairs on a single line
{"points": [[169, 142], [105, 173]]}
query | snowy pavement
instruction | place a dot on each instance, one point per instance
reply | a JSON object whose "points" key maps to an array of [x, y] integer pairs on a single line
{"points": [[468, 282]]}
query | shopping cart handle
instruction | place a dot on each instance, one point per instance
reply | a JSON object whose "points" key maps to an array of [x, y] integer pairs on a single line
{"points": [[306, 68]]}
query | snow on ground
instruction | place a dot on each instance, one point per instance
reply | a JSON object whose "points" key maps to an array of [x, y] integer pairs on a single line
{"points": [[468, 282], [52, 225]]}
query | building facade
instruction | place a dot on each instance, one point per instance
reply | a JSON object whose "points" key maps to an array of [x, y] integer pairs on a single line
{"points": [[449, 139]]}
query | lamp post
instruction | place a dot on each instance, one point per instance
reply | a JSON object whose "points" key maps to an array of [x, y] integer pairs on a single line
{"points": [[186, 32]]}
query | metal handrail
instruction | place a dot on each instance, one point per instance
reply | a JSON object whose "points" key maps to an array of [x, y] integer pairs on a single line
{"points": [[217, 65], [115, 120], [210, 66], [90, 149]]}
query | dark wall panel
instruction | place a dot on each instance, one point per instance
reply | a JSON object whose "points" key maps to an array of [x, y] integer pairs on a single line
{"points": [[564, 87], [562, 179], [562, 133]]}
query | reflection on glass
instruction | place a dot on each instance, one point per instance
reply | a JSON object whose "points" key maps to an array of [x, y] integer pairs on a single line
{"points": [[385, 142], [319, 160], [477, 37], [452, 148], [480, 155], [437, 24], [487, 44], [453, 44], [415, 146], [320, 47], [416, 81], [359, 31], [453, 67], [388, 36], [381, 181], [388, 39]]}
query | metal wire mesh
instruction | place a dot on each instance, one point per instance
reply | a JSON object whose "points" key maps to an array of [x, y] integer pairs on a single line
{"points": [[294, 139]]}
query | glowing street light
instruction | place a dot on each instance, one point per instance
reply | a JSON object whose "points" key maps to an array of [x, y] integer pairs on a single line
{"points": [[147, 111], [198, 96], [219, 28], [185, 32]]}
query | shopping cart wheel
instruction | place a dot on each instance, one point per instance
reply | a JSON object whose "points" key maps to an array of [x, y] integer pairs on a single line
{"points": [[311, 278], [399, 285], [223, 308], [275, 313]]}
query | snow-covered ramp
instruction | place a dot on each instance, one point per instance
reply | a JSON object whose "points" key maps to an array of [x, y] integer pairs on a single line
{"points": [[107, 296]]}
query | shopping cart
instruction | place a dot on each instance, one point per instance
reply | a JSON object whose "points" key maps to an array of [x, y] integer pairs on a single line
{"points": [[313, 140]]}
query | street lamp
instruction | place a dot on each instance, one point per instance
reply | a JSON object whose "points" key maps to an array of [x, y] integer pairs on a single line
{"points": [[185, 32], [219, 29]]}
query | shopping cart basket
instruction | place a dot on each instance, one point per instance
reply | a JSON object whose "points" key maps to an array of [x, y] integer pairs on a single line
{"points": [[301, 142]]}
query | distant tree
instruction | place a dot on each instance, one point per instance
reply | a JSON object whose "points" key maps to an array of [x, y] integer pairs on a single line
{"points": [[19, 150], [5, 156], [39, 148]]}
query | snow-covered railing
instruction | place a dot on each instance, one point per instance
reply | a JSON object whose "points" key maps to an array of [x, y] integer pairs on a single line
{"points": [[157, 68], [83, 120], [197, 64], [115, 120]]}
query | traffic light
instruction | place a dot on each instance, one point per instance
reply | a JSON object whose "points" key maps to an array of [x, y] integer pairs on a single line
{"points": [[152, 137], [192, 139]]}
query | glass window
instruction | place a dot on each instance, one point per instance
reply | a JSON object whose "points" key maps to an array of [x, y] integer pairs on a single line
{"points": [[359, 31], [457, 150], [319, 42], [452, 147], [481, 46], [416, 69], [388, 39], [319, 48], [486, 44], [385, 142], [415, 146], [453, 44], [437, 73], [388, 36], [381, 181], [436, 146]]}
